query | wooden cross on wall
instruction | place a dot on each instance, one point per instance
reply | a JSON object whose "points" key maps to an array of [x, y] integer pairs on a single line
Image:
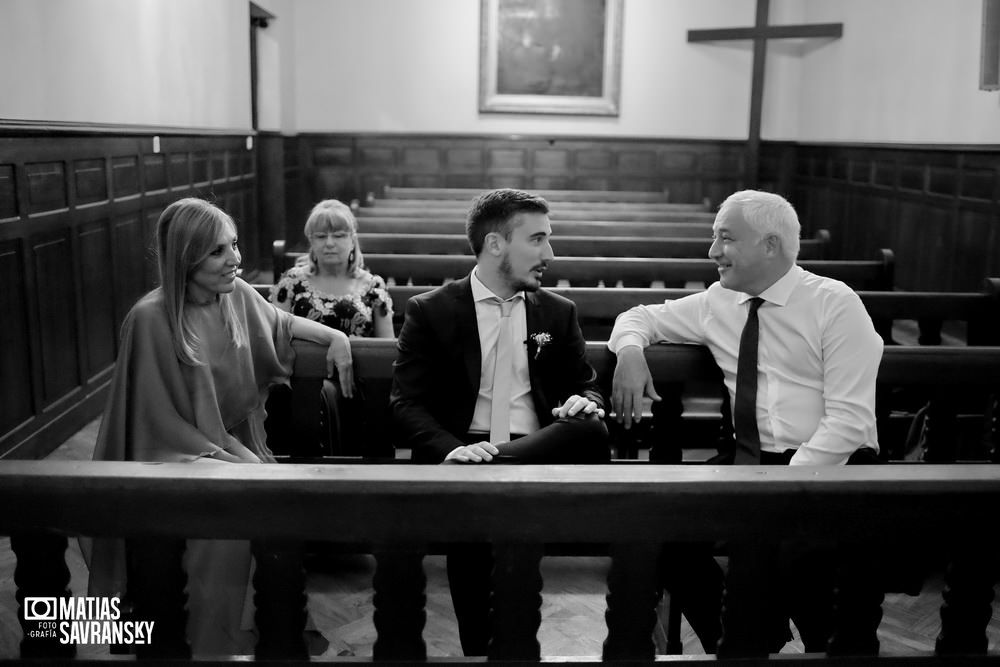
{"points": [[760, 33]]}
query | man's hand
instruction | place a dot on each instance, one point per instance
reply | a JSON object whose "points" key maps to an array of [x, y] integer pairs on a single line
{"points": [[480, 452], [631, 382], [577, 406]]}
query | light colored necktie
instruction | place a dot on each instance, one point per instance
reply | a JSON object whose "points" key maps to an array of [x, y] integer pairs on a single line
{"points": [[503, 372]]}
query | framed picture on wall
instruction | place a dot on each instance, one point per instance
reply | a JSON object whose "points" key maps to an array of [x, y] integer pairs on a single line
{"points": [[550, 56]]}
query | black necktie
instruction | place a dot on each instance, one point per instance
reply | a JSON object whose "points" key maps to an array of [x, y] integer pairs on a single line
{"points": [[745, 408]]}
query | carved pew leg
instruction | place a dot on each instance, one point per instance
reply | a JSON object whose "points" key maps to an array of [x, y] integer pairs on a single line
{"points": [[517, 601], [279, 594], [40, 572], [746, 610], [156, 583], [857, 603], [967, 597], [633, 593], [400, 584]]}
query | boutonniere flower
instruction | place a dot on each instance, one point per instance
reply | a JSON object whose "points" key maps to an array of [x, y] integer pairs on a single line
{"points": [[541, 339]]}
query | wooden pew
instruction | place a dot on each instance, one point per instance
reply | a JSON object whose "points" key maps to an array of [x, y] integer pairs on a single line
{"points": [[876, 274], [587, 271], [594, 196], [462, 206], [597, 308], [571, 246], [556, 214], [602, 228], [402, 509]]}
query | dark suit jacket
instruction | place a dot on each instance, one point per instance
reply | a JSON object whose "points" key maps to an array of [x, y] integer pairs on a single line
{"points": [[436, 375]]}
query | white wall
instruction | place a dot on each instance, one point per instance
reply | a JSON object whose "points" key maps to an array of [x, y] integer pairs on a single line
{"points": [[173, 63], [905, 71], [412, 66]]}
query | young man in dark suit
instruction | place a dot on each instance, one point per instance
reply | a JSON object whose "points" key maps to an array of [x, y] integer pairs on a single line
{"points": [[492, 368]]}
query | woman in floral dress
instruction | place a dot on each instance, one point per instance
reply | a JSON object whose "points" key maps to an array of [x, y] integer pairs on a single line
{"points": [[330, 285]]}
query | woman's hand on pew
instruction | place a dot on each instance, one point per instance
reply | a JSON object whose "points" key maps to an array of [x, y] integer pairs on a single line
{"points": [[338, 356], [577, 405], [632, 381]]}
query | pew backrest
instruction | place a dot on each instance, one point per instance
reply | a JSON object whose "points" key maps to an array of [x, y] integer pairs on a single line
{"points": [[597, 308], [595, 227], [423, 269], [552, 196], [940, 368], [570, 246], [556, 215]]}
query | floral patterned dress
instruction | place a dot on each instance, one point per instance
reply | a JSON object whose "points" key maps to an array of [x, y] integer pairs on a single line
{"points": [[354, 314]]}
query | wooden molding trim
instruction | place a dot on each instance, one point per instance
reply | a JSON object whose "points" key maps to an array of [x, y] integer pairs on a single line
{"points": [[54, 126]]}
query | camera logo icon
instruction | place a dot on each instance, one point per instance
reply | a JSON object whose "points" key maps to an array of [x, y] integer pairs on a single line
{"points": [[41, 609]]}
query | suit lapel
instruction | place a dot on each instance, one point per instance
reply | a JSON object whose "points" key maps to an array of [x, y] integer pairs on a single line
{"points": [[534, 319], [467, 331]]}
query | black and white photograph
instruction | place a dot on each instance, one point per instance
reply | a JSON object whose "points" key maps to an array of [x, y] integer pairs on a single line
{"points": [[520, 331]]}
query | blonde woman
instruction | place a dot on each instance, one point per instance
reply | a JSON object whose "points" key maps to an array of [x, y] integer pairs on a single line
{"points": [[330, 284], [198, 356]]}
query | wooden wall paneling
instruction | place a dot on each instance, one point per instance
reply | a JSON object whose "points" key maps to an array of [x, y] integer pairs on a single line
{"points": [[77, 213], [179, 170], [637, 169], [506, 166], [125, 176], [721, 173], [97, 295], [200, 168], [55, 301], [679, 170], [16, 379], [47, 188], [464, 165], [8, 193], [421, 166], [271, 204], [154, 173], [90, 181], [971, 264], [593, 163], [930, 248], [872, 215], [234, 165], [296, 194], [131, 253], [980, 177], [217, 160]]}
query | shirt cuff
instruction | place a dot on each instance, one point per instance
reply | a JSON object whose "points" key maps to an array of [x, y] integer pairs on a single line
{"points": [[626, 340], [807, 456]]}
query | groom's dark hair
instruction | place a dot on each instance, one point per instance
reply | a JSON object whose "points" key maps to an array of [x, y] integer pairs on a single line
{"points": [[493, 211]]}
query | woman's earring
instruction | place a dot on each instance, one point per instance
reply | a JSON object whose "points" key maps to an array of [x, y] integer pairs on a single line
{"points": [[350, 257]]}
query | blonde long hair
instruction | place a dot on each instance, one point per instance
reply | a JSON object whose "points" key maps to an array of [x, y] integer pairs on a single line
{"points": [[186, 233], [331, 214]]}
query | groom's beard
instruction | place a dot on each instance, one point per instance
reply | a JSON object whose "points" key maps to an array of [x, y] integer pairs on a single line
{"points": [[517, 284]]}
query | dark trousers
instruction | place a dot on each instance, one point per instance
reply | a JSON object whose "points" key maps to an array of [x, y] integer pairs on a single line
{"points": [[830, 591], [470, 566], [567, 440]]}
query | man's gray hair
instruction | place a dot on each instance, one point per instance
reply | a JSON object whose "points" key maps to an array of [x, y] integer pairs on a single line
{"points": [[768, 213]]}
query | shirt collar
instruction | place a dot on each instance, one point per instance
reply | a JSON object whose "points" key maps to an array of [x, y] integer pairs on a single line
{"points": [[481, 292], [781, 290]]}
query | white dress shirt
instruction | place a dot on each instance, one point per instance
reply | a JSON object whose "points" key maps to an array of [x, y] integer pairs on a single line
{"points": [[817, 365], [523, 419]]}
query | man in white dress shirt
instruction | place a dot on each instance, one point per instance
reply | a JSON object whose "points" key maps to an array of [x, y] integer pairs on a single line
{"points": [[818, 357]]}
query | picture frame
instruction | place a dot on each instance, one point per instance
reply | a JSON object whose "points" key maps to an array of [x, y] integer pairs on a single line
{"points": [[550, 56]]}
